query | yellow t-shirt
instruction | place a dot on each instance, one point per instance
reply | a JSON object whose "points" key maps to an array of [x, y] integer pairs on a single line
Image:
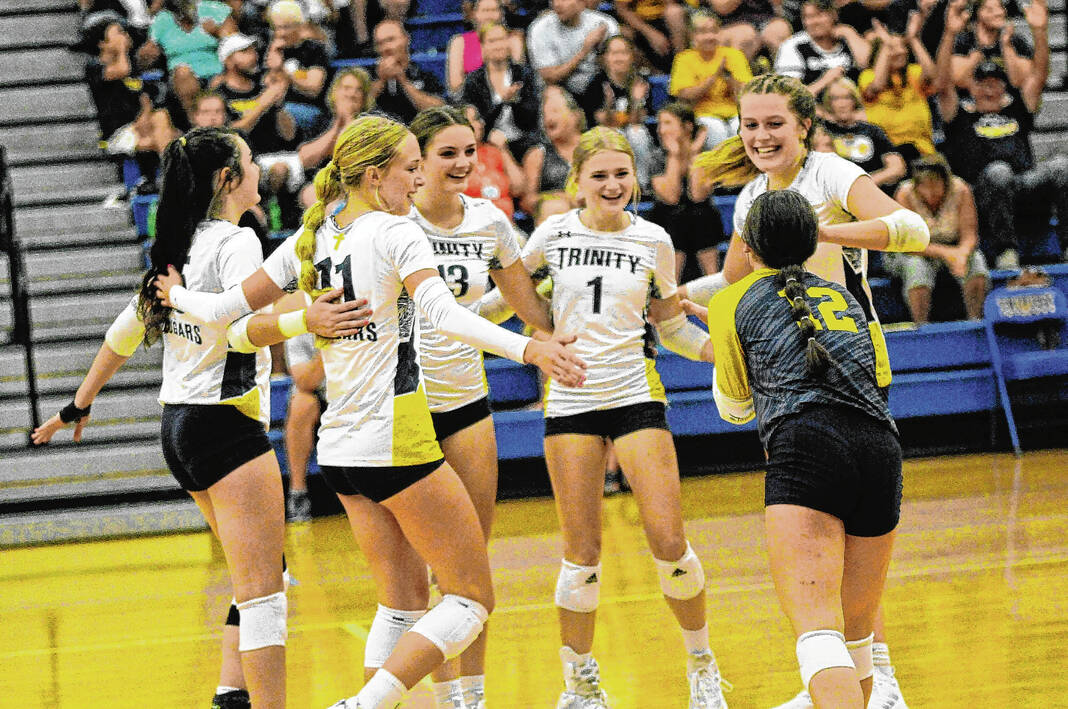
{"points": [[650, 10], [690, 69], [901, 109]]}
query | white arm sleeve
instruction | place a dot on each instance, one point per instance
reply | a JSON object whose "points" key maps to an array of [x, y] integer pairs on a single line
{"points": [[494, 307], [127, 332], [682, 337], [700, 290], [222, 307], [447, 316]]}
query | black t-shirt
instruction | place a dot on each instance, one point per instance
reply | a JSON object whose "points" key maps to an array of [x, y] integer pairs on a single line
{"points": [[263, 136], [862, 143], [592, 99], [974, 140], [395, 102], [967, 41], [118, 101], [307, 55]]}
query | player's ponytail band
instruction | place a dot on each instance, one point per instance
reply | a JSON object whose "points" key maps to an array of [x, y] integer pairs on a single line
{"points": [[792, 279], [293, 323], [71, 413], [907, 231]]}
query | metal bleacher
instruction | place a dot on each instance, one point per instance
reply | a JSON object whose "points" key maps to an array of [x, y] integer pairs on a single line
{"points": [[83, 261]]}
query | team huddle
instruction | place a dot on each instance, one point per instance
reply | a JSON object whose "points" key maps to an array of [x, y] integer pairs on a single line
{"points": [[405, 278]]}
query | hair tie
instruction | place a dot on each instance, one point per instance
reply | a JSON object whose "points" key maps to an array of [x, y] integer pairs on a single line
{"points": [[811, 338], [798, 301], [792, 279]]}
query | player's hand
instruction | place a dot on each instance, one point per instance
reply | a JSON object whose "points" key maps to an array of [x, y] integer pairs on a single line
{"points": [[557, 362], [328, 317], [164, 282], [43, 433], [692, 308]]}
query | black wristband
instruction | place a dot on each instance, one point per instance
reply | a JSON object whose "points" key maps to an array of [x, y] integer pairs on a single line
{"points": [[71, 412]]}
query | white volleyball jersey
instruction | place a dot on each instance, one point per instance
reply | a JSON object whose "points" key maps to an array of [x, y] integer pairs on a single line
{"points": [[602, 283], [198, 366], [482, 242], [824, 180], [377, 412]]}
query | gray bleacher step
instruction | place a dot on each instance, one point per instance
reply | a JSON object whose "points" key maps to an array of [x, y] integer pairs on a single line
{"points": [[38, 29], [56, 317], [55, 103], [54, 225], [60, 177], [127, 280], [101, 194], [34, 241], [55, 473], [25, 7], [33, 67], [50, 266], [61, 366], [118, 415], [1046, 145], [1054, 112], [101, 522], [55, 143]]}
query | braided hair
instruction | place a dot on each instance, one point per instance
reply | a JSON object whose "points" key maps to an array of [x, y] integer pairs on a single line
{"points": [[782, 230]]}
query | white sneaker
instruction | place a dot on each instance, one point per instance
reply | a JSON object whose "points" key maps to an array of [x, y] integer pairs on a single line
{"points": [[801, 701], [706, 686], [583, 683], [885, 691]]}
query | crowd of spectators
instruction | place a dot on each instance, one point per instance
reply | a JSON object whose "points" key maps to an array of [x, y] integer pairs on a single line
{"points": [[899, 84]]}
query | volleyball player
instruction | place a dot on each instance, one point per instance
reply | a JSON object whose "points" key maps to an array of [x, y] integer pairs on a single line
{"points": [[215, 401], [791, 349], [472, 241], [772, 151], [610, 269], [377, 447]]}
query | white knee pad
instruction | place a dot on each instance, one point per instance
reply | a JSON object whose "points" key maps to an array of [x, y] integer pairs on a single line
{"points": [[386, 629], [682, 579], [820, 650], [263, 622], [578, 588], [860, 651], [453, 624]]}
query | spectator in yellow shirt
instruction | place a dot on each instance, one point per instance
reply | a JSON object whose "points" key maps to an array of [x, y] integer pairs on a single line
{"points": [[895, 90], [708, 76]]}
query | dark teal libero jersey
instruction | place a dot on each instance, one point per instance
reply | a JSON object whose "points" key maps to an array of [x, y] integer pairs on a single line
{"points": [[760, 352]]}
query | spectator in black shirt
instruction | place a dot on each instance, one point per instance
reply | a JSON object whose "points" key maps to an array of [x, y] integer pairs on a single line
{"points": [[692, 221], [988, 143], [992, 38], [861, 142], [401, 88], [304, 62], [504, 92], [128, 108], [825, 51]]}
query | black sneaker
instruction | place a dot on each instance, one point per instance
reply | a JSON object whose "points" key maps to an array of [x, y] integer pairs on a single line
{"points": [[235, 699]]}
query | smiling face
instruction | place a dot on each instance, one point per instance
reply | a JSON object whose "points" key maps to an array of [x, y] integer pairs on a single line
{"points": [[244, 193], [349, 94], [450, 157], [557, 116], [495, 44], [606, 181], [991, 15], [485, 12], [818, 23], [843, 103], [706, 35], [618, 57], [401, 178], [771, 133]]}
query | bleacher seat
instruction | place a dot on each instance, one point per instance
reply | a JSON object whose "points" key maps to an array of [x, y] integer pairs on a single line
{"points": [[438, 7], [432, 33], [658, 92]]}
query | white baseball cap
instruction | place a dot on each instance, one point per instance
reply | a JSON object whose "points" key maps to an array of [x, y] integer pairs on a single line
{"points": [[234, 43]]}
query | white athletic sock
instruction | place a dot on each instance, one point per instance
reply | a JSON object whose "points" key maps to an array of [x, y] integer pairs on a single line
{"points": [[382, 690], [880, 654], [445, 692], [223, 689], [474, 687], [696, 641]]}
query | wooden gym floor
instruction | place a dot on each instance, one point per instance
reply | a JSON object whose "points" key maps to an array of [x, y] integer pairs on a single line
{"points": [[976, 605]]}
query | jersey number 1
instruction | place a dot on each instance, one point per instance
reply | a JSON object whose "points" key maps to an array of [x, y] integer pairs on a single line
{"points": [[596, 283], [344, 268]]}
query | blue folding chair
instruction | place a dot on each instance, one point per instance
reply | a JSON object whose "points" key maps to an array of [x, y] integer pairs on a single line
{"points": [[1027, 329]]}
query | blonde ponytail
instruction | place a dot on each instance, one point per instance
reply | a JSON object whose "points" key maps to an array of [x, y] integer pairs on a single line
{"points": [[725, 165]]}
